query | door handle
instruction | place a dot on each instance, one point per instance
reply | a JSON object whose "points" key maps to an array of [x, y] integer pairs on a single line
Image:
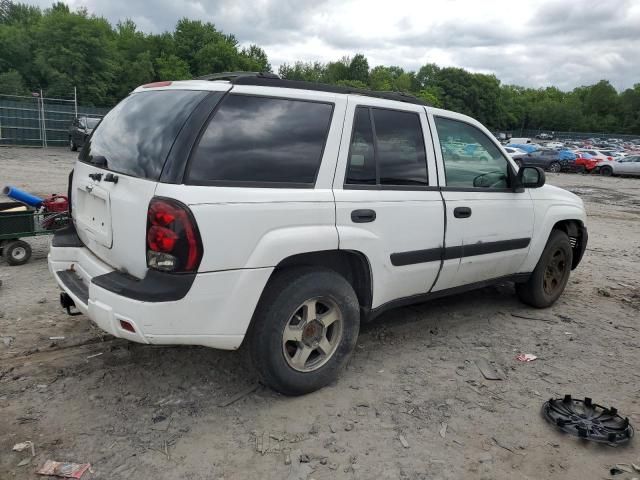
{"points": [[462, 212], [363, 216]]}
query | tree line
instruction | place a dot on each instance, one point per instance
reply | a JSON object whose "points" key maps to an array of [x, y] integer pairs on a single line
{"points": [[56, 49]]}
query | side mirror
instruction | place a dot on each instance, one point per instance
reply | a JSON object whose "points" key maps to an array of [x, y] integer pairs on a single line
{"points": [[531, 177]]}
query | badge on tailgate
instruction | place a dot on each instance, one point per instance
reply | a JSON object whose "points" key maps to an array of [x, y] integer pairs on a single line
{"points": [[93, 213]]}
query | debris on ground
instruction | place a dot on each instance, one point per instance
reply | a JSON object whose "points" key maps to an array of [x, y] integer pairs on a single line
{"points": [[488, 371], [526, 357], [603, 292], [620, 468], [22, 446], [299, 470], [63, 469], [588, 420], [403, 441], [443, 430], [56, 338], [239, 396], [25, 461]]}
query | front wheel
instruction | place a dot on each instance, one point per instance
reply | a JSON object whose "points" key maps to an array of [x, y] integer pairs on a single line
{"points": [[550, 277], [18, 252], [305, 329], [555, 167]]}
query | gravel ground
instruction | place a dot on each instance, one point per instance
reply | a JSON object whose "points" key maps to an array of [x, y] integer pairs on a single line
{"points": [[412, 404]]}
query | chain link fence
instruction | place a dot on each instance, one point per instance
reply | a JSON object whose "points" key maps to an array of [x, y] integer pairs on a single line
{"points": [[40, 121]]}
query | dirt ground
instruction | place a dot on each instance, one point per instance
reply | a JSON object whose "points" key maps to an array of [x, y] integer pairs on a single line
{"points": [[136, 411]]}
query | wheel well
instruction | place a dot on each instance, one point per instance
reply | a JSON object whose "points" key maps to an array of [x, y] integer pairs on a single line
{"points": [[352, 265], [575, 231]]}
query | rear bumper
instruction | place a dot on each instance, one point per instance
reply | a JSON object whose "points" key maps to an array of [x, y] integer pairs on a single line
{"points": [[214, 310]]}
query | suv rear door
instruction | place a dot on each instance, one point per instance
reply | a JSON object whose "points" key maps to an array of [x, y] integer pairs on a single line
{"points": [[387, 201], [118, 170]]}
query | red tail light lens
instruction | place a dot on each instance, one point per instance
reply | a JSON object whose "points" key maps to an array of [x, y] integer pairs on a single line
{"points": [[173, 240]]}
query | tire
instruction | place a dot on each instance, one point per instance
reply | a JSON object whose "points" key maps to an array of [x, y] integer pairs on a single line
{"points": [[550, 277], [555, 167], [72, 145], [283, 312], [606, 171], [17, 252]]}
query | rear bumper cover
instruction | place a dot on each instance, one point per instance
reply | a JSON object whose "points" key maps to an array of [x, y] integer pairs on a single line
{"points": [[214, 310]]}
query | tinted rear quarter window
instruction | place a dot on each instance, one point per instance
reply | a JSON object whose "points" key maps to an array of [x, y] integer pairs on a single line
{"points": [[136, 135], [261, 141]]}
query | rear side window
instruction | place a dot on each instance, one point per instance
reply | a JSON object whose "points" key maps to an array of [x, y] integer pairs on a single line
{"points": [[387, 149], [262, 141], [135, 137]]}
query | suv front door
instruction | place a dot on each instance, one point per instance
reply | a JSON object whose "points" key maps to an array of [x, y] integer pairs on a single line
{"points": [[387, 201], [489, 224]]}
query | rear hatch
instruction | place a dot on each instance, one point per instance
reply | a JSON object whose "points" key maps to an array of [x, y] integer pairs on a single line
{"points": [[118, 170]]}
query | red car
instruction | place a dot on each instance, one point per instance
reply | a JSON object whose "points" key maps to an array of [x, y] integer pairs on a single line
{"points": [[585, 162]]}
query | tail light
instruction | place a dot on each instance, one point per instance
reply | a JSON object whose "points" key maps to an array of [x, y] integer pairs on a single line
{"points": [[173, 240]]}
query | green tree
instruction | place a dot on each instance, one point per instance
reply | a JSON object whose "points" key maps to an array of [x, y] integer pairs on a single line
{"points": [[359, 69], [12, 83], [170, 67]]}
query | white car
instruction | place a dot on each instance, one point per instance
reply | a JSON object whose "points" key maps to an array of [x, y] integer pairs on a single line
{"points": [[554, 145], [622, 166], [282, 214], [513, 151]]}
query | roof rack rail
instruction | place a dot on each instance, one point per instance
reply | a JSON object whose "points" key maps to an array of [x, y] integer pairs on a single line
{"points": [[266, 79], [233, 75]]}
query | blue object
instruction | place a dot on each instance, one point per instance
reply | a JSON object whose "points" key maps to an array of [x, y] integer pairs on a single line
{"points": [[527, 147], [566, 155], [21, 196]]}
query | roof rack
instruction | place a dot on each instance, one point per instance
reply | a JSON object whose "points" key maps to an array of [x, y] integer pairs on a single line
{"points": [[265, 79], [230, 76]]}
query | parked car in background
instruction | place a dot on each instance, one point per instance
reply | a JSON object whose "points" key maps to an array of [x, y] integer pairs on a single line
{"points": [[524, 146], [80, 130], [623, 166], [597, 154], [585, 162], [544, 136], [554, 145], [552, 160], [522, 140], [514, 152]]}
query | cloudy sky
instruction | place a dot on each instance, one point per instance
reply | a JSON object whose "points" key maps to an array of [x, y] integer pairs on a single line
{"points": [[527, 42]]}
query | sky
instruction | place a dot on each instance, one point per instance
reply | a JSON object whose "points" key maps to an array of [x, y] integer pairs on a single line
{"points": [[539, 43]]}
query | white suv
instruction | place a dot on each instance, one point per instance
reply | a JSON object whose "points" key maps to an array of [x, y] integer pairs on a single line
{"points": [[282, 214]]}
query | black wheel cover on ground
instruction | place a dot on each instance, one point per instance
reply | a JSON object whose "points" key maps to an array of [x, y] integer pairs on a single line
{"points": [[588, 420]]}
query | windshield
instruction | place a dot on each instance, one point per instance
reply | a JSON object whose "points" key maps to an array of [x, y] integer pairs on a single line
{"points": [[92, 122], [135, 137]]}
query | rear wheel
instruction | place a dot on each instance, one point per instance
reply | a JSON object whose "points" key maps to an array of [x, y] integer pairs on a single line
{"points": [[606, 171], [17, 252], [305, 328], [550, 277], [555, 167]]}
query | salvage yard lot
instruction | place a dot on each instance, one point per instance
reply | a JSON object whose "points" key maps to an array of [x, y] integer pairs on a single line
{"points": [[411, 405]]}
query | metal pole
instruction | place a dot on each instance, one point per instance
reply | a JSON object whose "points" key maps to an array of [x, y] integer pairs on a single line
{"points": [[44, 121], [75, 100], [39, 107]]}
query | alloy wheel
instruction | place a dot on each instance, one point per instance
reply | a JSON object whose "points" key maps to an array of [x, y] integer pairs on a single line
{"points": [[312, 334]]}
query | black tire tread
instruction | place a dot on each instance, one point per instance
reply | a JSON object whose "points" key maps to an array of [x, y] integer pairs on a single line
{"points": [[285, 285], [8, 247], [531, 292]]}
